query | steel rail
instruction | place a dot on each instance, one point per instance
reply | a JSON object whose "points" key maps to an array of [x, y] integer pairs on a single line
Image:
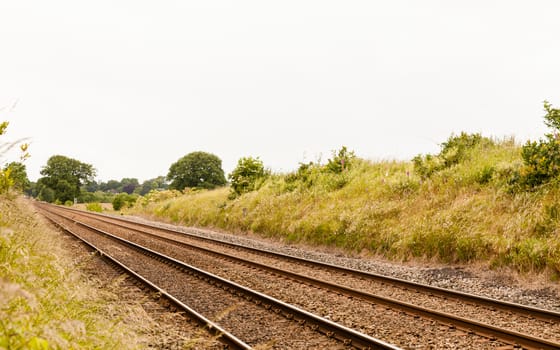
{"points": [[526, 310], [468, 325], [331, 329], [225, 337]]}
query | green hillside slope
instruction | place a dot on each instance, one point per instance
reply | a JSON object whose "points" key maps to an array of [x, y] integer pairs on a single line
{"points": [[465, 204]]}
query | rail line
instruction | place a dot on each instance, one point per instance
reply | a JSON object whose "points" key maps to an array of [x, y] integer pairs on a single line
{"points": [[530, 311], [228, 339], [347, 336], [469, 325]]}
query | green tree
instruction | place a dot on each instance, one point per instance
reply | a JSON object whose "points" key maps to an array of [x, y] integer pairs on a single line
{"points": [[157, 183], [45, 193], [92, 186], [7, 180], [110, 186], [18, 173], [247, 175], [65, 176], [128, 185], [196, 169]]}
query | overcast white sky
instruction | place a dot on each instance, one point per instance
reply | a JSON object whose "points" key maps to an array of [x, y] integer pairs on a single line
{"points": [[131, 86]]}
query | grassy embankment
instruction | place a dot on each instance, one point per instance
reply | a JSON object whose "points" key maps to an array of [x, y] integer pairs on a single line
{"points": [[45, 302], [463, 213]]}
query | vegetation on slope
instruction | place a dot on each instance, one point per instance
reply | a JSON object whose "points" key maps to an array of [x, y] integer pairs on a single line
{"points": [[45, 301], [478, 199]]}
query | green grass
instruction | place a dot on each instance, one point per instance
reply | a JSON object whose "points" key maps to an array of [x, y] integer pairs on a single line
{"points": [[461, 214], [45, 302]]}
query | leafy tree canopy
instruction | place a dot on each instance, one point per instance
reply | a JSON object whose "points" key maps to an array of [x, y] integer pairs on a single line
{"points": [[158, 183], [196, 169], [128, 185], [247, 175], [110, 186], [18, 173], [65, 177]]}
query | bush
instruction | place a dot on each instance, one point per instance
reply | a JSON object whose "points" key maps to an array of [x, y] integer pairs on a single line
{"points": [[331, 177], [124, 199], [541, 162], [247, 176], [304, 177], [97, 196], [6, 181], [542, 159], [96, 207], [454, 151], [340, 161], [13, 175]]}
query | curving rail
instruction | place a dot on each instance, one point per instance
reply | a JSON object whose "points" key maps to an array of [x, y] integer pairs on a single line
{"points": [[331, 329], [489, 331]]}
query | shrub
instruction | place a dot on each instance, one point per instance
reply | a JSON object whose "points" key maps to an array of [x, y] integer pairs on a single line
{"points": [[119, 201], [426, 166], [124, 199], [542, 159], [304, 177], [330, 177], [454, 151], [97, 196], [247, 175], [96, 207], [541, 162], [13, 175], [485, 174], [340, 161], [68, 203], [6, 181]]}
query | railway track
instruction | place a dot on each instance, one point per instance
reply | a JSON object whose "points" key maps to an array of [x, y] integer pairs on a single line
{"points": [[336, 279], [262, 319], [171, 327]]}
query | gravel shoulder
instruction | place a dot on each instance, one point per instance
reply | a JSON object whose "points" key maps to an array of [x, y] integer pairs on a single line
{"points": [[156, 326]]}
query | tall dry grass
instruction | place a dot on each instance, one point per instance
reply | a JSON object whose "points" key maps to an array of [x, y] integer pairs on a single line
{"points": [[465, 213], [45, 302]]}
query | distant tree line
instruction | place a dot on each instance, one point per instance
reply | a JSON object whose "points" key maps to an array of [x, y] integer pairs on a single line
{"points": [[67, 180]]}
